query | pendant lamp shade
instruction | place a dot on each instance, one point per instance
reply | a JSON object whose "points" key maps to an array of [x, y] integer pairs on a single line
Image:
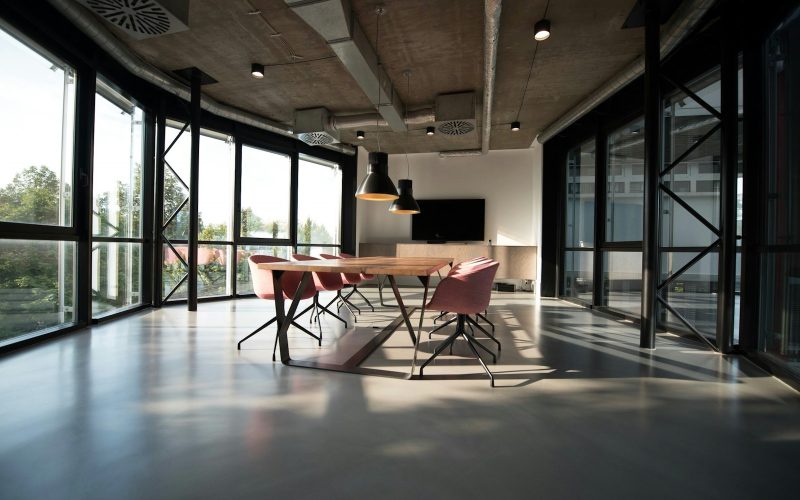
{"points": [[377, 186], [405, 204]]}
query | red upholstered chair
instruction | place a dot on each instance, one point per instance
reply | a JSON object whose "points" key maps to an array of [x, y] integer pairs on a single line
{"points": [[348, 279], [364, 277], [331, 282], [454, 270], [464, 292], [263, 287]]}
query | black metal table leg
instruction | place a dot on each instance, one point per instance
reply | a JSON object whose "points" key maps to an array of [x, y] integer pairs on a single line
{"points": [[425, 280], [403, 308], [285, 319]]}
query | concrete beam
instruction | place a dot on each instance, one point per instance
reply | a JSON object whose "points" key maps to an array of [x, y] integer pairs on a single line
{"points": [[334, 21]]}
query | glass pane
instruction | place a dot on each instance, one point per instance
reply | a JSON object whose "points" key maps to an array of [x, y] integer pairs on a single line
{"points": [[580, 196], [780, 308], [176, 180], [216, 188], [36, 135], [578, 275], [696, 178], [625, 199], [782, 184], [266, 188], [243, 283], [37, 286], [622, 281], [117, 174], [212, 270], [779, 334], [318, 251], [116, 276], [319, 203], [694, 293], [173, 271]]}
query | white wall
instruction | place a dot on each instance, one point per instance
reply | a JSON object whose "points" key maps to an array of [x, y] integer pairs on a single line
{"points": [[509, 180]]}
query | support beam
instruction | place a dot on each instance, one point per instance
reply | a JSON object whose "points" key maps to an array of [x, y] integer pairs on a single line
{"points": [[726, 298], [652, 170], [194, 185], [336, 24]]}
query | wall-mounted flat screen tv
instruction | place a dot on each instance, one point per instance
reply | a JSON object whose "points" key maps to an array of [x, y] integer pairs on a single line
{"points": [[448, 220]]}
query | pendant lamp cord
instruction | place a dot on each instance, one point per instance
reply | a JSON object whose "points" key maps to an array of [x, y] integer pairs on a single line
{"points": [[408, 99], [530, 70], [378, 13]]}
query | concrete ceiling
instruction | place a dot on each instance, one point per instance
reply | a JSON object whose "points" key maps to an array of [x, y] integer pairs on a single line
{"points": [[440, 41]]}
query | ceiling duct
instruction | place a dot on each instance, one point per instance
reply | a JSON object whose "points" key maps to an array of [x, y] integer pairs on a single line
{"points": [[455, 113], [313, 126], [491, 36], [143, 18], [335, 22]]}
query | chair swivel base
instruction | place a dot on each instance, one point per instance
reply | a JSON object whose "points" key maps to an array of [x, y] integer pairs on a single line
{"points": [[471, 342]]}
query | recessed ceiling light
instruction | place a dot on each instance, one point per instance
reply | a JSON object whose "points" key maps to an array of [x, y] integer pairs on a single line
{"points": [[257, 70], [514, 126], [430, 131], [541, 30], [359, 134]]}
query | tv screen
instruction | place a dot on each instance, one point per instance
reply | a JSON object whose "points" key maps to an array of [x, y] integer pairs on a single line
{"points": [[448, 220]]}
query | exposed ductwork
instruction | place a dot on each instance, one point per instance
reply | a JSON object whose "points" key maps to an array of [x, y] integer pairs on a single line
{"points": [[491, 33], [685, 18], [335, 22], [93, 28], [371, 121]]}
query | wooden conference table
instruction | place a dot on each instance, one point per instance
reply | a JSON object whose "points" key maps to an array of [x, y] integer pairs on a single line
{"points": [[421, 267]]}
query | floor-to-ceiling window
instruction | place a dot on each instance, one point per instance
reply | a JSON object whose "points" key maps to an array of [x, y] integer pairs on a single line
{"points": [[319, 212], [690, 216], [215, 207], [779, 324], [117, 242], [624, 202], [579, 222], [38, 245], [215, 221], [265, 212]]}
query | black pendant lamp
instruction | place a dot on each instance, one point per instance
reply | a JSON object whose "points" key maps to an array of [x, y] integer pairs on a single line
{"points": [[377, 186], [406, 204]]}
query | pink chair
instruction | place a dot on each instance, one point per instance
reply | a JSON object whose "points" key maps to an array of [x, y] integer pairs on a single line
{"points": [[465, 291], [263, 287], [331, 282], [455, 269], [364, 277], [348, 279]]}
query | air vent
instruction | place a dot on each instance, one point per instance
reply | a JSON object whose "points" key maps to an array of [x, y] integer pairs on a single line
{"points": [[456, 127], [455, 113], [316, 138], [143, 18], [313, 126]]}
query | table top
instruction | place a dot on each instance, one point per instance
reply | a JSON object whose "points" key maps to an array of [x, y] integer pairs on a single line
{"points": [[395, 266]]}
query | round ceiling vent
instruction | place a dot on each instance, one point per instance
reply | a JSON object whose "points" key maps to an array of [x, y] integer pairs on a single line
{"points": [[456, 127], [316, 138], [145, 17]]}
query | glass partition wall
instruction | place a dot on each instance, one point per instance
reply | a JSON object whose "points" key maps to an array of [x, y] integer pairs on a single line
{"points": [[93, 225], [579, 230], [602, 243]]}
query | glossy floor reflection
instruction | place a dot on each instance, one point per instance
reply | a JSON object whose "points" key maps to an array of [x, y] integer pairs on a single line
{"points": [[162, 405]]}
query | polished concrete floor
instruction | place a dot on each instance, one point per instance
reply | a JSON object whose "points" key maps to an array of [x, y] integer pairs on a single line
{"points": [[162, 405]]}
